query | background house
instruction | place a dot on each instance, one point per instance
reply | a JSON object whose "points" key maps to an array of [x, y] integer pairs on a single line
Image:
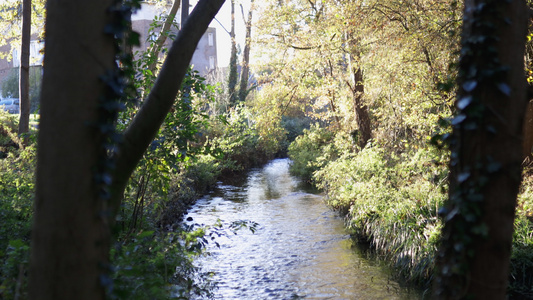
{"points": [[204, 59]]}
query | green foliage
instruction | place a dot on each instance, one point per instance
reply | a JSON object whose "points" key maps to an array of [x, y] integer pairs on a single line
{"points": [[152, 265], [15, 260], [8, 129], [16, 210], [306, 149], [521, 268], [188, 183], [236, 135], [389, 200], [233, 77]]}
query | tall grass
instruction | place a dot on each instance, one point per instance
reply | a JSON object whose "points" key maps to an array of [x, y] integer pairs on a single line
{"points": [[391, 201]]}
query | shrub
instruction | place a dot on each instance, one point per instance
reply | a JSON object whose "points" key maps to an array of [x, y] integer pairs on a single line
{"points": [[391, 202], [306, 149], [157, 265], [16, 210]]}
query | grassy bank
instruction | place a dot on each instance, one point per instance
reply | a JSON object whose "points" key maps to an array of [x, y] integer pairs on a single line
{"points": [[390, 199]]}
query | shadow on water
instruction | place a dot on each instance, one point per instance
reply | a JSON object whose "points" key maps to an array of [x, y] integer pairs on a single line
{"points": [[299, 250]]}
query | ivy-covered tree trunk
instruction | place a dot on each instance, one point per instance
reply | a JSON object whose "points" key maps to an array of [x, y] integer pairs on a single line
{"points": [[486, 153], [233, 74], [70, 239], [78, 191], [24, 74], [360, 108], [357, 88], [243, 89]]}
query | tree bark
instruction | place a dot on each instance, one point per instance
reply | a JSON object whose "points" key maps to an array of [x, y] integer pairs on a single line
{"points": [[486, 153], [24, 72], [184, 11], [360, 108], [243, 89], [71, 230], [70, 239], [527, 153], [358, 90], [233, 76]]}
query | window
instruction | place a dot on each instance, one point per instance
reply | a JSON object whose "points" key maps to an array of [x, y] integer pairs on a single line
{"points": [[210, 39], [211, 62]]}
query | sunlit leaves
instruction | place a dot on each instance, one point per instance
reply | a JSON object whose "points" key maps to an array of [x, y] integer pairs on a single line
{"points": [[404, 48]]}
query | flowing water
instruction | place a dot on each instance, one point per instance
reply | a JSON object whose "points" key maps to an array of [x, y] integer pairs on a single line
{"points": [[299, 249]]}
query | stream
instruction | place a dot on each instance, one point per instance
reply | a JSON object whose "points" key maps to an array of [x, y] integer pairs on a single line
{"points": [[299, 250]]}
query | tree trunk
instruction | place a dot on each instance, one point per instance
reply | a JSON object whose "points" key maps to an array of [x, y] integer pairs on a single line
{"points": [[358, 90], [184, 11], [233, 76], [24, 75], [243, 89], [70, 239], [71, 230], [360, 108], [486, 153], [527, 154]]}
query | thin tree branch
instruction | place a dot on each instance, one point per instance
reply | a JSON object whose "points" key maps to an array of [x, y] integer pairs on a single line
{"points": [[164, 32]]}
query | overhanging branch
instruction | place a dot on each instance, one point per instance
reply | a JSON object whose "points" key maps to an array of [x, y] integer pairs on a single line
{"points": [[151, 115]]}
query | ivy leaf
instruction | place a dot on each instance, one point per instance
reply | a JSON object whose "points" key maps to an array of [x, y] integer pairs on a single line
{"points": [[464, 102], [494, 167], [470, 85], [481, 229], [462, 177], [504, 88], [458, 119]]}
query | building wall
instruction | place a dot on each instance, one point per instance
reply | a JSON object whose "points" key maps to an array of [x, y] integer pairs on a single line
{"points": [[6, 65], [204, 59]]}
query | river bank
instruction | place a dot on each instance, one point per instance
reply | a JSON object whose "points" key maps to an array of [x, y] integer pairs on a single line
{"points": [[391, 201]]}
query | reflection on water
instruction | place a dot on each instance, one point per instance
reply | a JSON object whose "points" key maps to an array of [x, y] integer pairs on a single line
{"points": [[299, 250]]}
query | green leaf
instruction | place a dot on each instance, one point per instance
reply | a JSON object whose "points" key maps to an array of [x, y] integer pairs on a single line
{"points": [[145, 234], [504, 88], [470, 85], [462, 177]]}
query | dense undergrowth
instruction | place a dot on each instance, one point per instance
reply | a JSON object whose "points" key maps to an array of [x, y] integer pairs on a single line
{"points": [[391, 200], [153, 255]]}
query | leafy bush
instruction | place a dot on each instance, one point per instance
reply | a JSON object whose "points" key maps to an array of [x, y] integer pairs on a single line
{"points": [[239, 140], [306, 149], [153, 265], [521, 268], [294, 127], [391, 202], [16, 210]]}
